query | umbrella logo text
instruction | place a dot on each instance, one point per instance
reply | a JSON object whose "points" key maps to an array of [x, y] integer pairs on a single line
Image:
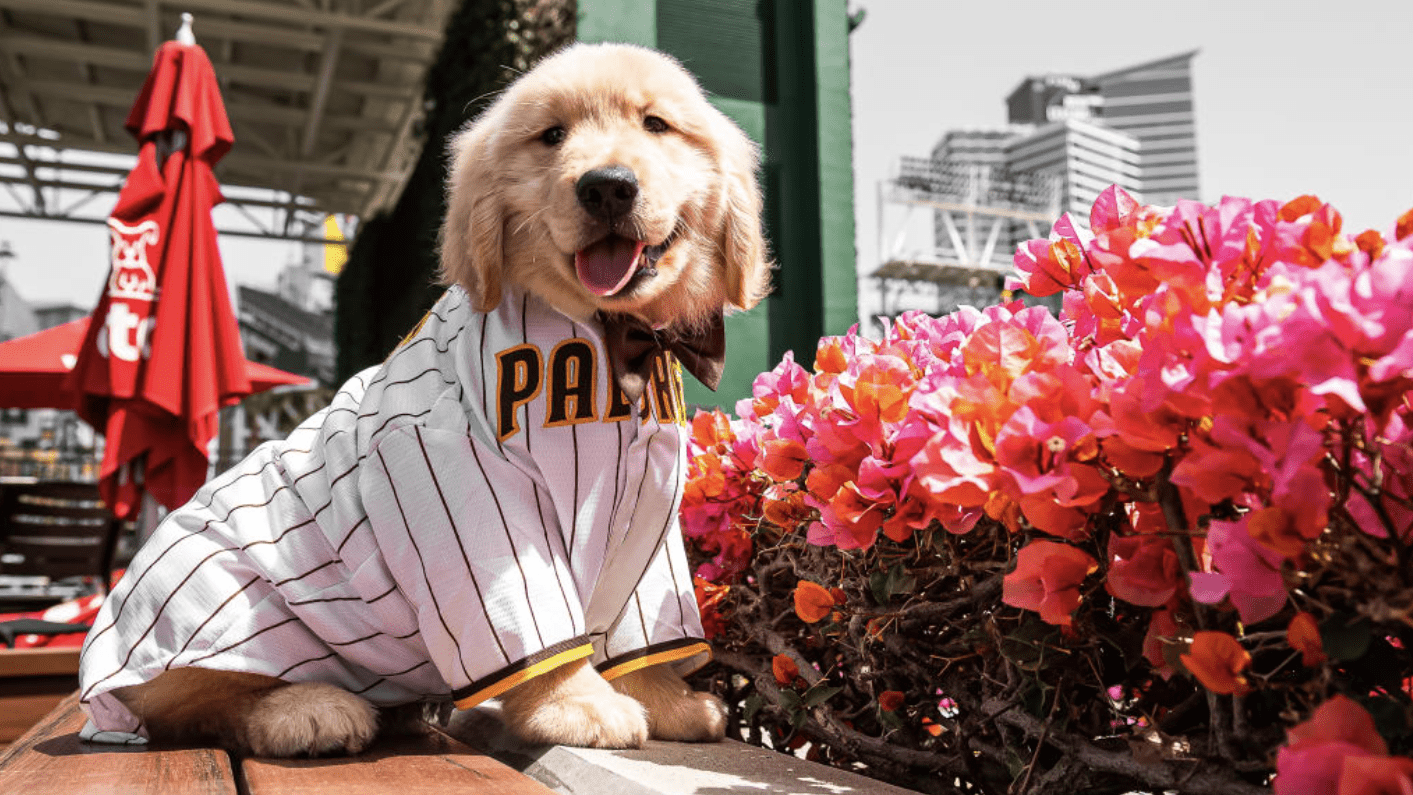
{"points": [[126, 335], [131, 276], [126, 332]]}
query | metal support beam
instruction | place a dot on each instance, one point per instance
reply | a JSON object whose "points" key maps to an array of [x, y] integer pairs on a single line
{"points": [[327, 63]]}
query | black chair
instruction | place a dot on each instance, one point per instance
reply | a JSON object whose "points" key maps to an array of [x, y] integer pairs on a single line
{"points": [[14, 629], [56, 530]]}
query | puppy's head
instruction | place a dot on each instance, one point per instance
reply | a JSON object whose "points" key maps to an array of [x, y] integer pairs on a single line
{"points": [[604, 180]]}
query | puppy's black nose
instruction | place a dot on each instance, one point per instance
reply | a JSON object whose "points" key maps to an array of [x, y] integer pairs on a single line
{"points": [[607, 192]]}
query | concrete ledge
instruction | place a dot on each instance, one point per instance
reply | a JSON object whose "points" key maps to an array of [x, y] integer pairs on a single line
{"points": [[661, 768]]}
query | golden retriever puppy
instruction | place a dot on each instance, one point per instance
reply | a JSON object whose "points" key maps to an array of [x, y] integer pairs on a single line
{"points": [[490, 513]]}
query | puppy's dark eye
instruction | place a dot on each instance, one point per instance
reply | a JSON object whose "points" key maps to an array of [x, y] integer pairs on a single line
{"points": [[654, 124], [554, 136]]}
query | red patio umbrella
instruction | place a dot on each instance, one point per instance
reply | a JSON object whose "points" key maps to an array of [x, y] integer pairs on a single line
{"points": [[163, 353], [33, 369]]}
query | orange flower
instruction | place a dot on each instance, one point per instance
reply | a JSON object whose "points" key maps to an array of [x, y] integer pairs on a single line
{"points": [[839, 596], [788, 512], [1217, 660], [783, 459], [1300, 206], [1000, 352], [712, 429], [706, 480], [1277, 530], [829, 357], [1404, 227], [1003, 509], [890, 700], [785, 669], [881, 390], [813, 602], [1370, 242], [1304, 636], [824, 482], [931, 728], [709, 596]]}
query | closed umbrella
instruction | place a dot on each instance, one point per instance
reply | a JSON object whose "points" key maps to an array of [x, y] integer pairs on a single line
{"points": [[162, 353]]}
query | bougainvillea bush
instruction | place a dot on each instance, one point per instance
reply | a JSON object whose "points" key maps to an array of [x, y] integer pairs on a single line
{"points": [[1163, 542]]}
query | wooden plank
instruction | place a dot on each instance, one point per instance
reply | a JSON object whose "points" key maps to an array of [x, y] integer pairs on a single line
{"points": [[50, 759], [24, 700], [430, 764], [42, 661]]}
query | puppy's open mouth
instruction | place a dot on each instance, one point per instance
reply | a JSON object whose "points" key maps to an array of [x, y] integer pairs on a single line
{"points": [[607, 266]]}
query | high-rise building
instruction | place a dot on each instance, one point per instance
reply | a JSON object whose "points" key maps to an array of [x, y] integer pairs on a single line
{"points": [[1069, 137], [1086, 156], [1153, 102]]}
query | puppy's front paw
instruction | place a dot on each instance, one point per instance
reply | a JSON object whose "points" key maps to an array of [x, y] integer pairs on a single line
{"points": [[693, 717], [311, 719], [599, 720], [675, 711], [573, 705]]}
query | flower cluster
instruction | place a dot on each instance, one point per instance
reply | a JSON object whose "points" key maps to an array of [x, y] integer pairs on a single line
{"points": [[1221, 416]]}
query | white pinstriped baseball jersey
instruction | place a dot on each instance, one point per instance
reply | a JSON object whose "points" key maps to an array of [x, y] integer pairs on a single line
{"points": [[482, 508]]}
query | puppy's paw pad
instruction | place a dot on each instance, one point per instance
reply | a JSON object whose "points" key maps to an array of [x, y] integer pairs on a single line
{"points": [[310, 719], [600, 720], [695, 718]]}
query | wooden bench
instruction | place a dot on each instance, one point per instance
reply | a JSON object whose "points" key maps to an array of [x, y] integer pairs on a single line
{"points": [[33, 682], [50, 759]]}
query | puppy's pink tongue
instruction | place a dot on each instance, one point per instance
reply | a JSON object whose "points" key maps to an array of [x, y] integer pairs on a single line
{"points": [[607, 265]]}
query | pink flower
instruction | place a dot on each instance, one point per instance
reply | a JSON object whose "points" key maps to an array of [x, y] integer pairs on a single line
{"points": [[1376, 775], [1246, 572], [1047, 579], [1313, 758]]}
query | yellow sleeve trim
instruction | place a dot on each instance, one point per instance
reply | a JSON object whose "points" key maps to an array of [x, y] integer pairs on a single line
{"points": [[657, 658], [524, 675]]}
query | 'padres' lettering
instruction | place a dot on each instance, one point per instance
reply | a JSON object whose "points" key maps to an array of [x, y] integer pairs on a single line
{"points": [[619, 409], [572, 374], [517, 383], [662, 389]]}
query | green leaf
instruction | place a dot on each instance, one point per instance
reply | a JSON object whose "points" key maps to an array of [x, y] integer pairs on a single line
{"points": [[819, 694], [1026, 645], [1389, 717], [1345, 636], [753, 704], [900, 581], [890, 719], [885, 585], [878, 587], [1014, 763], [790, 701]]}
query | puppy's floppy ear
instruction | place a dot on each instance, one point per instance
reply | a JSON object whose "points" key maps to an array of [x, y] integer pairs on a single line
{"points": [[739, 236], [472, 236]]}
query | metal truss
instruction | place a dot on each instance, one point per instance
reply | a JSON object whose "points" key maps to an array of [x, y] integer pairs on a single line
{"points": [[324, 97], [978, 214]]}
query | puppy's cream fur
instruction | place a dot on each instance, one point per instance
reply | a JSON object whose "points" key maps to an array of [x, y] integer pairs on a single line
{"points": [[513, 217]]}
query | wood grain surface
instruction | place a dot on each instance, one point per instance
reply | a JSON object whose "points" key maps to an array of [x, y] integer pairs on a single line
{"points": [[50, 759], [424, 764]]}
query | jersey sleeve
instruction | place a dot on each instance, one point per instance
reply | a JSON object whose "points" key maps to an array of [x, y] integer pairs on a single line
{"points": [[482, 562], [660, 622]]}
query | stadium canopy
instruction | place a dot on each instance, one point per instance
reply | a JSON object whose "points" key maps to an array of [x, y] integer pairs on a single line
{"points": [[324, 97]]}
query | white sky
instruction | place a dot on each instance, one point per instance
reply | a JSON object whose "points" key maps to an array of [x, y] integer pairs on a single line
{"points": [[1291, 97]]}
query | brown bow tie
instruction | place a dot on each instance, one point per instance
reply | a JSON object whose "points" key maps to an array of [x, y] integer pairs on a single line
{"points": [[632, 344]]}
